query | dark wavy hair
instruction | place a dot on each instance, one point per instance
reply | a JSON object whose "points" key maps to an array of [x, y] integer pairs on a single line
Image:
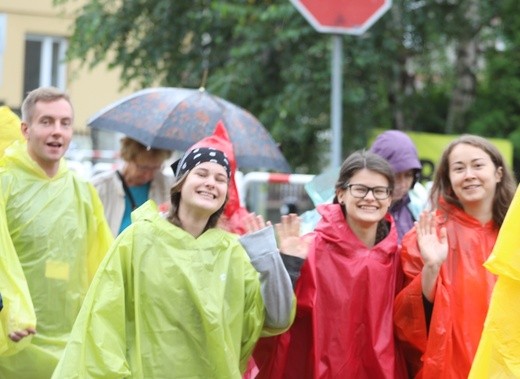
{"points": [[505, 189], [364, 159], [175, 199]]}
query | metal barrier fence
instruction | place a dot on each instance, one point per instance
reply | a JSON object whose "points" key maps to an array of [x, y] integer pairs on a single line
{"points": [[274, 194]]}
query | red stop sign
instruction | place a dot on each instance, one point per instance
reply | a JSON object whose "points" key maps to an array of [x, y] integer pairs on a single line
{"points": [[342, 16]]}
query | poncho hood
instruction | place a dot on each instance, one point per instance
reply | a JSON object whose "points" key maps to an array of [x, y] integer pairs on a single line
{"points": [[17, 155], [333, 228], [398, 149]]}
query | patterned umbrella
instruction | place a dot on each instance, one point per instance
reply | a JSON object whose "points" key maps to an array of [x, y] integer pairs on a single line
{"points": [[176, 118]]}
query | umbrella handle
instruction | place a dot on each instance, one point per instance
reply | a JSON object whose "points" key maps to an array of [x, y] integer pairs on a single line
{"points": [[204, 78]]}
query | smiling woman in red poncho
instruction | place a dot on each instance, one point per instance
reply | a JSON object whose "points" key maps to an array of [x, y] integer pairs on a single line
{"points": [[346, 286], [439, 315]]}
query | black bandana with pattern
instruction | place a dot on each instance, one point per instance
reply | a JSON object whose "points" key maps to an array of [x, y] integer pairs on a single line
{"points": [[200, 155]]}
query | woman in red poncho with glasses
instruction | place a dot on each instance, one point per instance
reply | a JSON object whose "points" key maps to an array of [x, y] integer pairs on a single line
{"points": [[346, 278]]}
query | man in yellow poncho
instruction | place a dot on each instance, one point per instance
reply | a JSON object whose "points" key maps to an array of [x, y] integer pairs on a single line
{"points": [[9, 128], [498, 354], [53, 236]]}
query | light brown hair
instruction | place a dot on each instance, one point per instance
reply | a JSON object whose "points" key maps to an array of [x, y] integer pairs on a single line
{"points": [[131, 149], [44, 94], [505, 189]]}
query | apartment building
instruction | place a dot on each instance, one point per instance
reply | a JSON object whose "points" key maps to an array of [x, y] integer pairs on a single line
{"points": [[33, 43]]}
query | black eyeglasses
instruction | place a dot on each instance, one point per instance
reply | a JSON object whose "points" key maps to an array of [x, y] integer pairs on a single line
{"points": [[360, 191]]}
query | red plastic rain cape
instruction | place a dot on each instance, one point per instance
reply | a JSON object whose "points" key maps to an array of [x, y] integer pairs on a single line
{"points": [[343, 326], [461, 299]]}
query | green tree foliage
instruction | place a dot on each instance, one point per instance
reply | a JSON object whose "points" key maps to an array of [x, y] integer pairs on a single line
{"points": [[497, 109], [263, 55]]}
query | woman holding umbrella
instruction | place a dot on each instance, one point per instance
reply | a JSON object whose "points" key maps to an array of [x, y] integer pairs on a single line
{"points": [[175, 297], [140, 179]]}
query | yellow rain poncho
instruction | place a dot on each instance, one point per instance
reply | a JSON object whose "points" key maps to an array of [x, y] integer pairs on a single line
{"points": [[9, 128], [16, 297], [498, 354], [167, 305], [53, 237]]}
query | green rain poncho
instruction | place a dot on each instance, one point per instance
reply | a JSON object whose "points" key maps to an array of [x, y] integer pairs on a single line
{"points": [[167, 305], [53, 236]]}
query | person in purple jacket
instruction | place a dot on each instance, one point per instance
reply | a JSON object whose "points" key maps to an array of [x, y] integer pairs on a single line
{"points": [[409, 196]]}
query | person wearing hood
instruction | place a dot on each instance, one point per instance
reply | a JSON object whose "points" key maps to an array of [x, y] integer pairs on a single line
{"points": [[176, 297], [348, 276], [409, 196], [53, 236]]}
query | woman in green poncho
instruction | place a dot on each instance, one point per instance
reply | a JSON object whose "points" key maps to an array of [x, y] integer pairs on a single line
{"points": [[174, 298]]}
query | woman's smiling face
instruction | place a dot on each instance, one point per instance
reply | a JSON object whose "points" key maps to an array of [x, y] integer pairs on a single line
{"points": [[205, 188], [367, 210], [473, 175]]}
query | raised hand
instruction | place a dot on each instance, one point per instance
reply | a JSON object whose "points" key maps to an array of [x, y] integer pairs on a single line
{"points": [[289, 239], [254, 222], [433, 246], [434, 250]]}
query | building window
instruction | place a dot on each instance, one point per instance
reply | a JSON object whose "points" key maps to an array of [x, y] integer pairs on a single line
{"points": [[44, 62]]}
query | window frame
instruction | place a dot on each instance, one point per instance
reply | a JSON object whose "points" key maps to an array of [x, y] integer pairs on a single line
{"points": [[47, 64]]}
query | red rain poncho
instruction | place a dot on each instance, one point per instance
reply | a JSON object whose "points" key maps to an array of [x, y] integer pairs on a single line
{"points": [[343, 326], [461, 299]]}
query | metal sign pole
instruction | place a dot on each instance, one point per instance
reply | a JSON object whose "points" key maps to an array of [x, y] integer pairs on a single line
{"points": [[336, 100], [340, 17]]}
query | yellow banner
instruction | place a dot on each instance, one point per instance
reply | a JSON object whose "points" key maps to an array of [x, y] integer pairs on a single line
{"points": [[431, 145]]}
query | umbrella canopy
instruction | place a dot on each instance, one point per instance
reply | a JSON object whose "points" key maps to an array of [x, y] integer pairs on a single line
{"points": [[175, 118]]}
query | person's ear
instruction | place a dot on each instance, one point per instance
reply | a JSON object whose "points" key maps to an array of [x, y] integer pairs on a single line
{"points": [[24, 127], [340, 194], [499, 174]]}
